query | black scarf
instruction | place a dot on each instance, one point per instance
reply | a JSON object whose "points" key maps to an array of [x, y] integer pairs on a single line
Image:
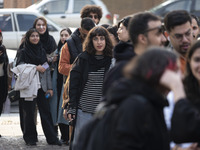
{"points": [[3, 57], [34, 53], [97, 64], [48, 42]]}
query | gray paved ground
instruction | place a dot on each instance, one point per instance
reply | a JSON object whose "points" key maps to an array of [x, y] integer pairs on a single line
{"points": [[12, 136]]}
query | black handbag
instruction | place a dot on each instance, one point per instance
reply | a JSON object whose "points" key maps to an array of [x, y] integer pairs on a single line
{"points": [[14, 95]]}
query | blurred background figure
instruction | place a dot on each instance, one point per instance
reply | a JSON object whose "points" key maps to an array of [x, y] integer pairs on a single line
{"points": [[195, 26], [113, 34], [3, 73], [57, 99]]}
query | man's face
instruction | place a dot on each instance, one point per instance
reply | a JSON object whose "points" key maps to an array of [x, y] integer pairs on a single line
{"points": [[94, 17], [154, 34], [181, 38]]}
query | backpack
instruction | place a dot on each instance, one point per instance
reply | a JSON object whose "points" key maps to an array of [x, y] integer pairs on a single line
{"points": [[97, 133]]}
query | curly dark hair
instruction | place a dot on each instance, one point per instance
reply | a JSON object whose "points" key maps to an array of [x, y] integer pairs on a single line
{"points": [[98, 31], [86, 10], [191, 84]]}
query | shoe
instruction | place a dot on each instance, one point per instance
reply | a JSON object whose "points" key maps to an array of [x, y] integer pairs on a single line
{"points": [[31, 143], [56, 143], [64, 142]]}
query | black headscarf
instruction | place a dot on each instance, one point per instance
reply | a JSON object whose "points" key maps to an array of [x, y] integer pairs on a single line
{"points": [[48, 42], [3, 57], [32, 53]]}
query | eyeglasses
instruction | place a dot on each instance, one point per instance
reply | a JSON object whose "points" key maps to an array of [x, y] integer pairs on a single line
{"points": [[159, 28], [93, 16], [179, 37]]}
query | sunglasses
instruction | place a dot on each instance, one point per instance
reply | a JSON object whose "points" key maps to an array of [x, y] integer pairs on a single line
{"points": [[159, 28], [93, 16]]}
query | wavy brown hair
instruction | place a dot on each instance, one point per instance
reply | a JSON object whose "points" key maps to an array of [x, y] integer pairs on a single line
{"points": [[98, 31], [86, 10]]}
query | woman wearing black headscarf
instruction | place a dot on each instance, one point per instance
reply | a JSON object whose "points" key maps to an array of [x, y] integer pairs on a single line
{"points": [[3, 74], [48, 42], [33, 53]]}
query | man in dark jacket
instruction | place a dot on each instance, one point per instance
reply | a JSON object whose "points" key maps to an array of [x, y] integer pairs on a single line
{"points": [[73, 46], [145, 30]]}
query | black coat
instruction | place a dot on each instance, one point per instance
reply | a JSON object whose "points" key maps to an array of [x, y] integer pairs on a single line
{"points": [[4, 79], [84, 64], [74, 45], [123, 52], [185, 125], [139, 123]]}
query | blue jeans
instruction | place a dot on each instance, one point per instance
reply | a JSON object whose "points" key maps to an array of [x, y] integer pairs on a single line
{"points": [[82, 119]]}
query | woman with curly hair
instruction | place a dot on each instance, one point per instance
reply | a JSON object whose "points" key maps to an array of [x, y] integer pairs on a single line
{"points": [[87, 75]]}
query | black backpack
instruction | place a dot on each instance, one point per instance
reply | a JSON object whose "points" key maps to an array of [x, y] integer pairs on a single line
{"points": [[97, 133]]}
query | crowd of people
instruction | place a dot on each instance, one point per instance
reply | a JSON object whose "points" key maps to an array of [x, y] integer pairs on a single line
{"points": [[149, 67]]}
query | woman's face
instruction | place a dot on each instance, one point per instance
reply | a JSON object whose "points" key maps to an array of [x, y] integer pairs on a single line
{"points": [[123, 33], [64, 35], [99, 44], [41, 26], [195, 64], [34, 38]]}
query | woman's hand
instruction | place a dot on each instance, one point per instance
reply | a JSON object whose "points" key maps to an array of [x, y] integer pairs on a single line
{"points": [[50, 92], [40, 69], [173, 81]]}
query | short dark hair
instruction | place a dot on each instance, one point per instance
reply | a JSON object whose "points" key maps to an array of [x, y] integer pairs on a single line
{"points": [[113, 30], [150, 66], [196, 18], [176, 18], [87, 23], [124, 21], [98, 31], [139, 23], [86, 10]]}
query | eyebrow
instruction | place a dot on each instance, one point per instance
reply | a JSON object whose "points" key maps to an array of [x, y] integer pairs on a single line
{"points": [[182, 33]]}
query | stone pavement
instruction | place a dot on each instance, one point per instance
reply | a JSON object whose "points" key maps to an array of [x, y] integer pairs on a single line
{"points": [[12, 136]]}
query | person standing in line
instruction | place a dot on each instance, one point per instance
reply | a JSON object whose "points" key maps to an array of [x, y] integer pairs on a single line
{"points": [[138, 122], [195, 26], [48, 41], [145, 30], [3, 74], [178, 25], [92, 11], [33, 53], [86, 77], [57, 99], [186, 116]]}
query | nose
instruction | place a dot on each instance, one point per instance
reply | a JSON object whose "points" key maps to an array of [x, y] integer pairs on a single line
{"points": [[163, 38], [185, 39]]}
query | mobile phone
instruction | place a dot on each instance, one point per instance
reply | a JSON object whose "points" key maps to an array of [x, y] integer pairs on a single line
{"points": [[45, 65]]}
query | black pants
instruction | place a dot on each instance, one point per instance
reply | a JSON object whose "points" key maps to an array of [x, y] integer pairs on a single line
{"points": [[27, 111], [3, 92]]}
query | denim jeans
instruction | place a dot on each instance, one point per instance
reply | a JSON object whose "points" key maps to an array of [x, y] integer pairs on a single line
{"points": [[82, 119]]}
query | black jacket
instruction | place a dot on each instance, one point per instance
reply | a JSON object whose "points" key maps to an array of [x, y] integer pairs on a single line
{"points": [[4, 79], [79, 74], [185, 125], [74, 45], [123, 52], [139, 122]]}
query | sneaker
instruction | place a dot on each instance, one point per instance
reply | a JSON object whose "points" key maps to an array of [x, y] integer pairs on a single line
{"points": [[31, 143], [56, 143]]}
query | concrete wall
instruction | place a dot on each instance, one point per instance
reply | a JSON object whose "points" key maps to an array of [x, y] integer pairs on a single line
{"points": [[18, 3]]}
